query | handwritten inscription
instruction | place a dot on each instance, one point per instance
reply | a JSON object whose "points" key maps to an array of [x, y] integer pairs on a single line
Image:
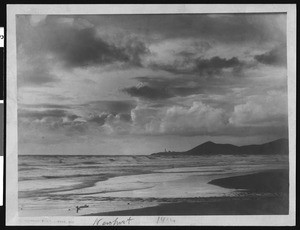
{"points": [[165, 220], [115, 222], [51, 221]]}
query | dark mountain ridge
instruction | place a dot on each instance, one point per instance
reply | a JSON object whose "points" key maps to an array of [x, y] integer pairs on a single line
{"points": [[279, 146]]}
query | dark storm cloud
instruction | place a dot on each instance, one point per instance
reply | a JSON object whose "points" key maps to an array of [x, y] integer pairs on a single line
{"points": [[148, 92], [41, 114], [158, 88], [215, 65], [228, 28], [77, 46], [45, 106], [186, 54], [171, 68], [81, 48], [185, 61], [111, 107], [201, 66], [276, 56], [135, 50], [152, 88], [72, 117], [53, 114]]}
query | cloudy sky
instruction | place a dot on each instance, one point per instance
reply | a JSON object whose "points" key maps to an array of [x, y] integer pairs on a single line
{"points": [[137, 84]]}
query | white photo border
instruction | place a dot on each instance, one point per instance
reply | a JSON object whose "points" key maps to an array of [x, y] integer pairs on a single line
{"points": [[12, 217]]}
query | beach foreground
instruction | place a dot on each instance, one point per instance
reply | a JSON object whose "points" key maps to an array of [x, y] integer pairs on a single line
{"points": [[211, 206], [147, 185], [266, 194]]}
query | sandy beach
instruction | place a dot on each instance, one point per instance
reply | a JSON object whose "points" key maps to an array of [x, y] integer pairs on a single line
{"points": [[212, 206], [154, 186], [266, 193]]}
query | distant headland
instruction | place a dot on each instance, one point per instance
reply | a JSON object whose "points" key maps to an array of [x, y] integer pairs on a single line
{"points": [[279, 146]]}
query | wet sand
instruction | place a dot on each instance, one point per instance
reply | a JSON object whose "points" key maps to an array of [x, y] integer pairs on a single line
{"points": [[264, 193], [276, 181]]}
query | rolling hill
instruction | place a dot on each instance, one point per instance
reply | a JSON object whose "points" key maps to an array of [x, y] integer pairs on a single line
{"points": [[279, 146]]}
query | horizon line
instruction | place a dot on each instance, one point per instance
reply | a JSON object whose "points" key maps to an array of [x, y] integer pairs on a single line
{"points": [[140, 154]]}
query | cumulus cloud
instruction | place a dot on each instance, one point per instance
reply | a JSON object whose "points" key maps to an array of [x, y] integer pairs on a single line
{"points": [[198, 118], [270, 109], [143, 115], [51, 120], [119, 124], [109, 119], [62, 119], [258, 116], [98, 119], [96, 111]]}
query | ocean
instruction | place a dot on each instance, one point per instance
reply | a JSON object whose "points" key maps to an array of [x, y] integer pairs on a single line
{"points": [[55, 185]]}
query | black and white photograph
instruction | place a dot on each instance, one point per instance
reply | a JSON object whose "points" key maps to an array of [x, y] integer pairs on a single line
{"points": [[160, 115]]}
